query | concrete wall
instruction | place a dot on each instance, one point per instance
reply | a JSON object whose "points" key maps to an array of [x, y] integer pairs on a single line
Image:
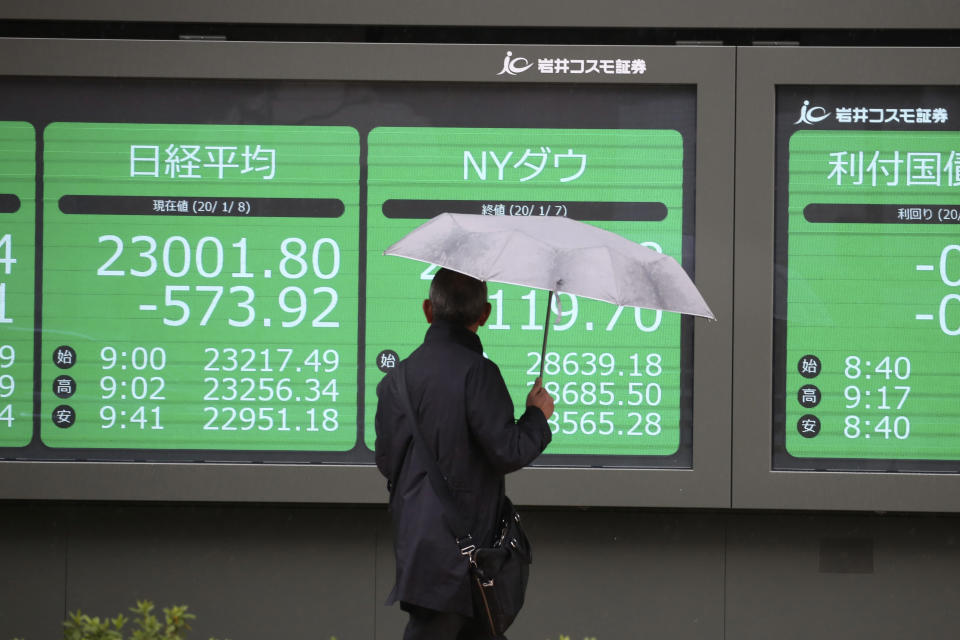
{"points": [[312, 572], [290, 572]]}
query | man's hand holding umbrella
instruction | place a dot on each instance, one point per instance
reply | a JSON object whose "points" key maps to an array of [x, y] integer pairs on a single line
{"points": [[539, 398]]}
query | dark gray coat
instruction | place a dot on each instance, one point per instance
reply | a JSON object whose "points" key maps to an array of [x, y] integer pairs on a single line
{"points": [[466, 417]]}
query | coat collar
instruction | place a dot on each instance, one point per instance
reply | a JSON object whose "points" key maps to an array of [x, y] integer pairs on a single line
{"points": [[443, 330]]}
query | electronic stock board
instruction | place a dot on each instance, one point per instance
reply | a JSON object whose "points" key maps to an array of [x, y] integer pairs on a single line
{"points": [[871, 295], [202, 260], [865, 291]]}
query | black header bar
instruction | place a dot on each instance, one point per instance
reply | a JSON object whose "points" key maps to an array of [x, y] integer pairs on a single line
{"points": [[586, 211], [202, 206]]}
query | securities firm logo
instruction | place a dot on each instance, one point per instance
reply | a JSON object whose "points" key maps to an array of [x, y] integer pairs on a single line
{"points": [[874, 115], [517, 65], [514, 66], [811, 115]]}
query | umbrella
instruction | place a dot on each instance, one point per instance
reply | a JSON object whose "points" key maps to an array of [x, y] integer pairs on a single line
{"points": [[554, 254]]}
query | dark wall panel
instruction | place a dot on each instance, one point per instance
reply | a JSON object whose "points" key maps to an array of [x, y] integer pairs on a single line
{"points": [[311, 572], [624, 574], [813, 576], [863, 14], [33, 552], [246, 573]]}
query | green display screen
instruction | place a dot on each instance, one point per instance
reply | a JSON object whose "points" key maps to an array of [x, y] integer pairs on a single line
{"points": [[17, 230], [209, 285], [200, 287], [615, 372], [869, 320]]}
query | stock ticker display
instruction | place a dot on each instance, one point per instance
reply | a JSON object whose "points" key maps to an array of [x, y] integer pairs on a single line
{"points": [[195, 272], [17, 214], [615, 372], [868, 279]]}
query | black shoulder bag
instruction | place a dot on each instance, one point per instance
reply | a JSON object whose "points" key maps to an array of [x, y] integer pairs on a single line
{"points": [[499, 567]]}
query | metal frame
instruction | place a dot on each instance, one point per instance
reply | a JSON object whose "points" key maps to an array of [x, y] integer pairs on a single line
{"points": [[812, 14], [755, 485], [711, 69]]}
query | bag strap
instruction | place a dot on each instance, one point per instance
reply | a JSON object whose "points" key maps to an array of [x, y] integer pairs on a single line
{"points": [[452, 514]]}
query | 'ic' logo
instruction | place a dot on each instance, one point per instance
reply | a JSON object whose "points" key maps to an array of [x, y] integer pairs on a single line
{"points": [[811, 115], [513, 66]]}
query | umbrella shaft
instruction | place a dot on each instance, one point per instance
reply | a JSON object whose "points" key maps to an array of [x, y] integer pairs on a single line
{"points": [[546, 329]]}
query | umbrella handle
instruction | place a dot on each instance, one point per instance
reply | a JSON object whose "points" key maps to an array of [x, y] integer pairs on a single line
{"points": [[546, 329]]}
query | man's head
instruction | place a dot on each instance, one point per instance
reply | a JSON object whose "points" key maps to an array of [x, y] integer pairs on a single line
{"points": [[458, 299]]}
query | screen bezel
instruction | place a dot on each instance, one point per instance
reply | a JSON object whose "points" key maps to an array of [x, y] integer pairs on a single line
{"points": [[755, 483], [711, 69]]}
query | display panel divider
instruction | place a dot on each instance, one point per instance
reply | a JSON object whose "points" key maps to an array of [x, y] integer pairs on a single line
{"points": [[760, 479]]}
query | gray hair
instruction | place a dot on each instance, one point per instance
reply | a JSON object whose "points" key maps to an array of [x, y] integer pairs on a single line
{"points": [[457, 298]]}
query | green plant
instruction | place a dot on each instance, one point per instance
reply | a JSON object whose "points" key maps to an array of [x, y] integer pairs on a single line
{"points": [[175, 624], [80, 626]]}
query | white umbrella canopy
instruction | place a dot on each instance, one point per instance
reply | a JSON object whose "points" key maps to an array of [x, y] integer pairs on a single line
{"points": [[555, 254]]}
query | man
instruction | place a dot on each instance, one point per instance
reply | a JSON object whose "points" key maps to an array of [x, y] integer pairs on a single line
{"points": [[466, 417]]}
